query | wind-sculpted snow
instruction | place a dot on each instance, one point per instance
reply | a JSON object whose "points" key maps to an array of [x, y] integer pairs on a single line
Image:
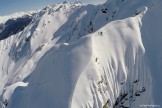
{"points": [[91, 71], [84, 56]]}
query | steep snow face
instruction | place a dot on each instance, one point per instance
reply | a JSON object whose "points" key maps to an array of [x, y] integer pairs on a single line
{"points": [[152, 39], [96, 68], [75, 55]]}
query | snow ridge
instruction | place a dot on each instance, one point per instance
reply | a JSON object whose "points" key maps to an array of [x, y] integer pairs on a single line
{"points": [[82, 56]]}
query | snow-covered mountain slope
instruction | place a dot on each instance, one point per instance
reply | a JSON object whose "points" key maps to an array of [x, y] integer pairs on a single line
{"points": [[73, 55], [3, 19]]}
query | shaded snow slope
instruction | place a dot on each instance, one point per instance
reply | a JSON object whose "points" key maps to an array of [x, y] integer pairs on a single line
{"points": [[82, 56], [152, 39], [13, 26]]}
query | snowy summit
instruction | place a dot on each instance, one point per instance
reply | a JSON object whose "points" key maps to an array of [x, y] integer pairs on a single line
{"points": [[76, 55]]}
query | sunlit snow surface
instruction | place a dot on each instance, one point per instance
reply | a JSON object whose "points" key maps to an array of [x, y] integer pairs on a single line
{"points": [[74, 55]]}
